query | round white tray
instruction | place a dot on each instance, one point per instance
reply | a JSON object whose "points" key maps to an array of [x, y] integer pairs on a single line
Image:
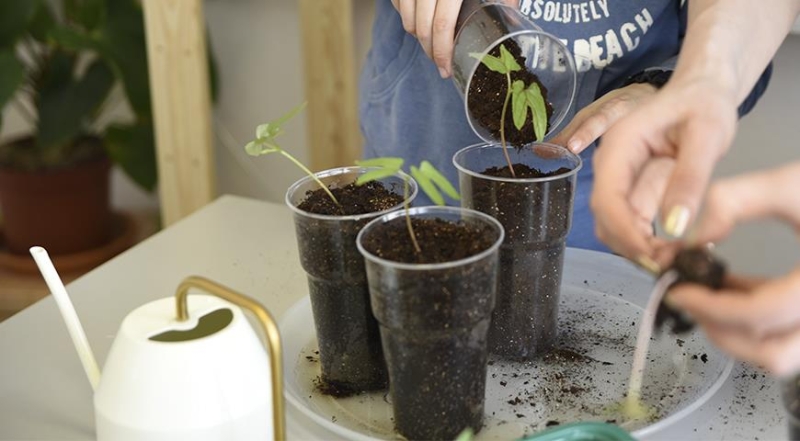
{"points": [[601, 301]]}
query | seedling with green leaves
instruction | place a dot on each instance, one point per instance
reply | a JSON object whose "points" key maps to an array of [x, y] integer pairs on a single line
{"points": [[522, 97], [265, 144], [430, 180]]}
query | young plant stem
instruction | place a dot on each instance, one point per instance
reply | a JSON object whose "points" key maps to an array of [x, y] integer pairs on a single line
{"points": [[503, 124], [408, 217], [307, 171]]}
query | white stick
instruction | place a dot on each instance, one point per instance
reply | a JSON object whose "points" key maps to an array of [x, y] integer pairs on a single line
{"points": [[68, 313]]}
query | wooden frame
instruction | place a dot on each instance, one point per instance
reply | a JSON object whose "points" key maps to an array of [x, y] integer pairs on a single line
{"points": [[178, 63]]}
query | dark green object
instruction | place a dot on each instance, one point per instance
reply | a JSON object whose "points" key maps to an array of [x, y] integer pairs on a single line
{"points": [[67, 95], [583, 432]]}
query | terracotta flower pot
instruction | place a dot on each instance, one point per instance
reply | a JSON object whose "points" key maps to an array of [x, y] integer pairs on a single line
{"points": [[65, 211]]}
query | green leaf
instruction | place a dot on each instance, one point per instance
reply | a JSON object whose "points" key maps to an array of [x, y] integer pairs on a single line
{"points": [[427, 186], [388, 162], [491, 62], [63, 106], [74, 40], [12, 74], [258, 148], [537, 105], [519, 106], [43, 21], [124, 40], [465, 435], [272, 129], [508, 60], [90, 13], [374, 175], [133, 149], [15, 15], [439, 179]]}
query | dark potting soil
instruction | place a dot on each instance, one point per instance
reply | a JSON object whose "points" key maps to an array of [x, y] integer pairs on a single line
{"points": [[693, 265], [440, 241], [536, 217], [353, 199], [351, 355], [487, 94]]}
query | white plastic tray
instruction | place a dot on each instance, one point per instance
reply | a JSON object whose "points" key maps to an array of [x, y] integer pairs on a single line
{"points": [[601, 301]]}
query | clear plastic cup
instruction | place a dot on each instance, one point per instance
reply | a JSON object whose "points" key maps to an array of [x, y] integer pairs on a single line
{"points": [[483, 26], [791, 401], [433, 322], [536, 214], [350, 352]]}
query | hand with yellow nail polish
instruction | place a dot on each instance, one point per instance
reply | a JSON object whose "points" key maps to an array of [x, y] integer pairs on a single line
{"points": [[654, 164], [754, 320]]}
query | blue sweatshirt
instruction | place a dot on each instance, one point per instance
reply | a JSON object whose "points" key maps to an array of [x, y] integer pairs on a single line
{"points": [[407, 110]]}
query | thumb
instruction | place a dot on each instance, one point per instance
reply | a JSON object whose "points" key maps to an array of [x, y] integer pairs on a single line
{"points": [[700, 146]]}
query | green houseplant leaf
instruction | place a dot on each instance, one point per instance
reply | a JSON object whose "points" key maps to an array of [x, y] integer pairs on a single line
{"points": [[12, 73], [64, 104], [133, 148], [15, 15], [536, 102], [42, 22]]}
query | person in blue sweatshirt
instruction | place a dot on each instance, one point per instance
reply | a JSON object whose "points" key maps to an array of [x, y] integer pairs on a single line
{"points": [[409, 106]]}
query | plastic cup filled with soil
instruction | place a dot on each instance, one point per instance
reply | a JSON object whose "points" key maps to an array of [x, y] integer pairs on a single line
{"points": [[434, 307], [538, 63], [351, 356], [535, 209]]}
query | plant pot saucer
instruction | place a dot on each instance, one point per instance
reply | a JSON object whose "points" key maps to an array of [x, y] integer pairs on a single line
{"points": [[124, 233]]}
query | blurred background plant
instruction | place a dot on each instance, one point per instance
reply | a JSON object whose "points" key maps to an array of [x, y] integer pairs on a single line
{"points": [[69, 67]]}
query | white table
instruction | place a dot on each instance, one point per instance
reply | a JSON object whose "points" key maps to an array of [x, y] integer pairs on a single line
{"points": [[249, 246]]}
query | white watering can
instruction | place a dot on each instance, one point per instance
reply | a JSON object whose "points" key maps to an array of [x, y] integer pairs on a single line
{"points": [[183, 370]]}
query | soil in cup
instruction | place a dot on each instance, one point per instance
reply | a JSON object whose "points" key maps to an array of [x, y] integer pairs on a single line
{"points": [[353, 199], [487, 94], [351, 355], [536, 217]]}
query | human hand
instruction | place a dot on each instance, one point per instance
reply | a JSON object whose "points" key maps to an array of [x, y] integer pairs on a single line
{"points": [[433, 22], [660, 159], [754, 320], [595, 119]]}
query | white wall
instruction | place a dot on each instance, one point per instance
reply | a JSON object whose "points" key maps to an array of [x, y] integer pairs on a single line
{"points": [[258, 49]]}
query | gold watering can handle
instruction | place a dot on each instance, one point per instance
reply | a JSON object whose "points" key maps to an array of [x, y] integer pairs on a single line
{"points": [[268, 325]]}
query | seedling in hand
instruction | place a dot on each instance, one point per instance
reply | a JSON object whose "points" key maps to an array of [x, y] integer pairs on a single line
{"points": [[522, 98], [265, 144], [430, 180]]}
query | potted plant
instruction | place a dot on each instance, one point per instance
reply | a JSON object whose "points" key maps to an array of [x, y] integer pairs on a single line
{"points": [[329, 210], [432, 279], [59, 71], [535, 208]]}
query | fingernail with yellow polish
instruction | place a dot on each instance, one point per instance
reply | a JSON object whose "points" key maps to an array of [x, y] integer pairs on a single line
{"points": [[649, 264], [677, 221]]}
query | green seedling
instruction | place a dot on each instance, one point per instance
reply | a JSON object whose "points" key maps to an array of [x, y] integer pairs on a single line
{"points": [[430, 180], [265, 144], [522, 98]]}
